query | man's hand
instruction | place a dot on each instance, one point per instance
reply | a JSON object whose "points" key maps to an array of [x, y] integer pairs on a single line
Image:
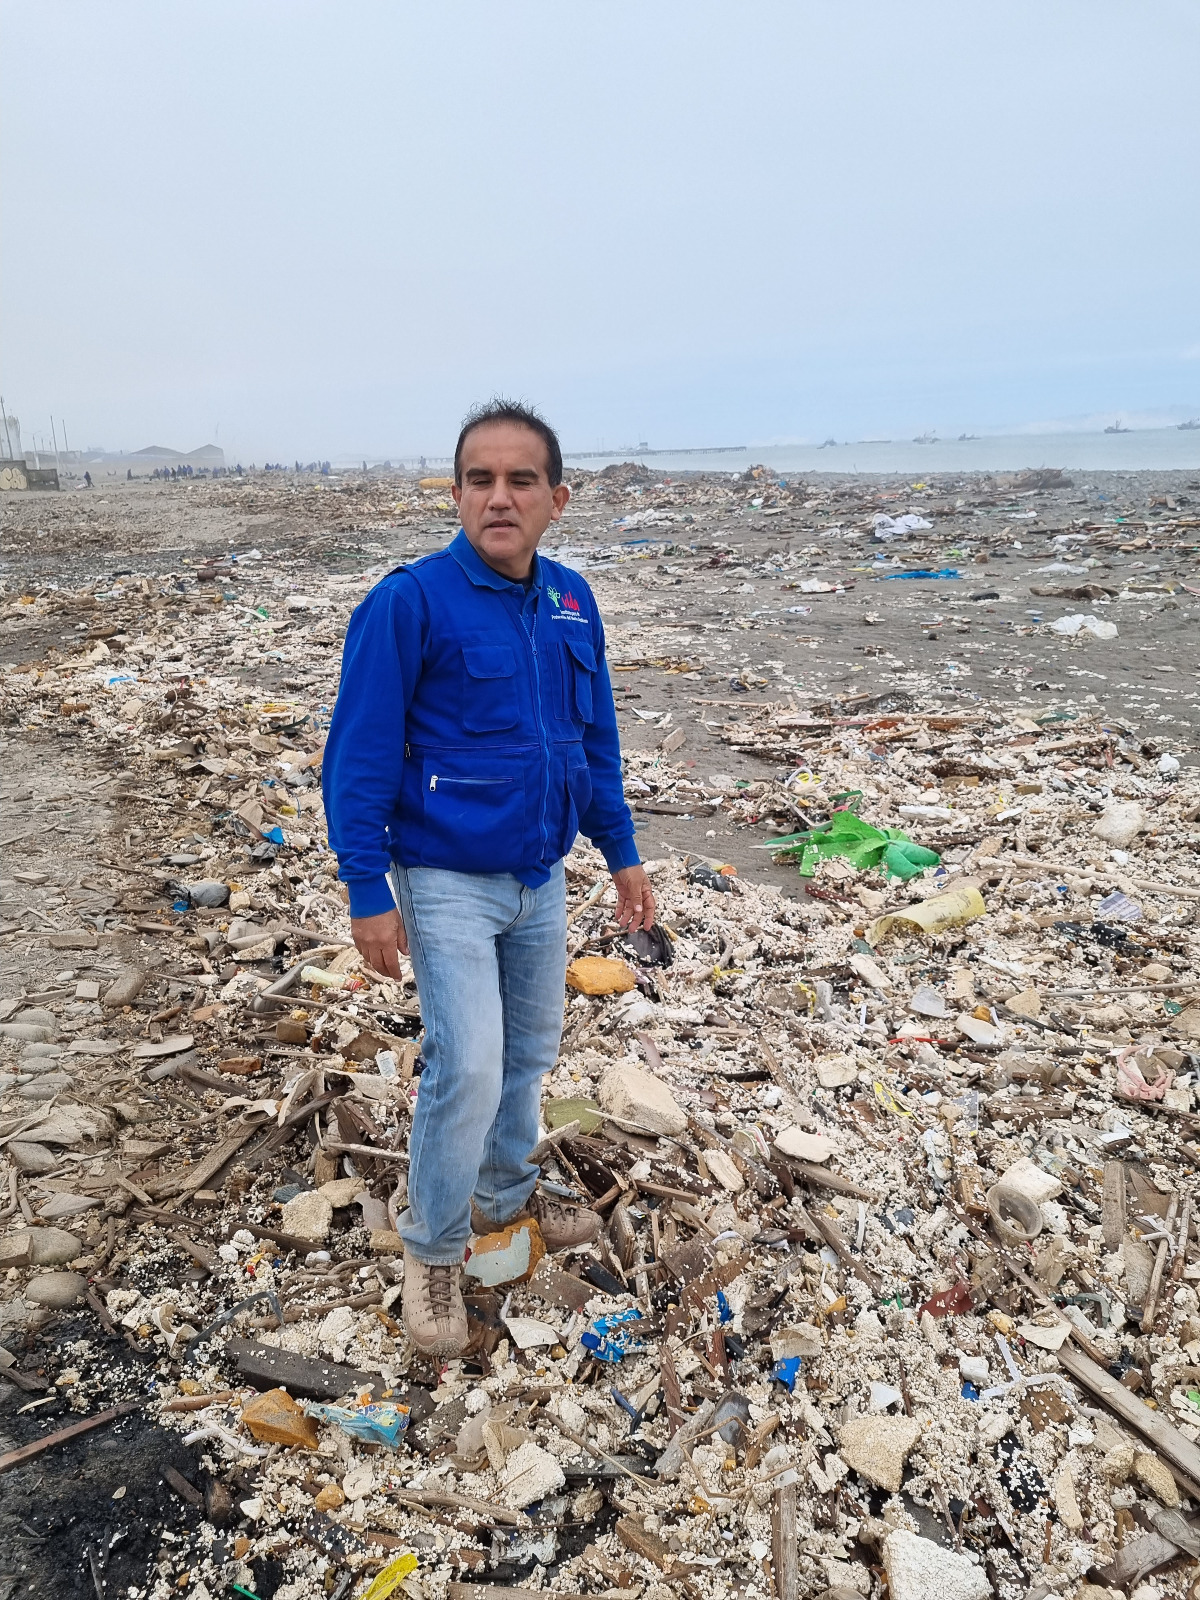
{"points": [[378, 939], [635, 898]]}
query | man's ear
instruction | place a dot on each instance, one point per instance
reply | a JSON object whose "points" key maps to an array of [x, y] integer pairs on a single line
{"points": [[560, 496], [456, 493]]}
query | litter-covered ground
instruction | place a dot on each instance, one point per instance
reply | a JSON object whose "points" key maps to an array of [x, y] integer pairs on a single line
{"points": [[892, 1125]]}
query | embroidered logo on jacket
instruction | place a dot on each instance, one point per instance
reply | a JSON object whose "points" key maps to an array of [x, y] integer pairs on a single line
{"points": [[566, 607]]}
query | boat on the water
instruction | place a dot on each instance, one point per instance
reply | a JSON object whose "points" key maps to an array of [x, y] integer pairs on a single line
{"points": [[1117, 428], [926, 438], [1192, 425]]}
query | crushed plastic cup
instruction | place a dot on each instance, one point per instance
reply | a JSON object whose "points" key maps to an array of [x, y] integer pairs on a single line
{"points": [[953, 909], [1018, 1219]]}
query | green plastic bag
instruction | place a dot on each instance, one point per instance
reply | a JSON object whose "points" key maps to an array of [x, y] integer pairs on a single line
{"points": [[863, 846]]}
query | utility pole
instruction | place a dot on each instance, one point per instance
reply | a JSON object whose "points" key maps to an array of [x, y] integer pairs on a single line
{"points": [[4, 417], [54, 436]]}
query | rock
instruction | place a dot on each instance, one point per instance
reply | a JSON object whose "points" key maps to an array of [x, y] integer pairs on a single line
{"points": [[53, 1247], [631, 1094], [342, 1192], [329, 1498], [1026, 1178], [33, 1158], [835, 1072], [918, 1569], [275, 1418], [1152, 1474], [601, 975], [530, 1474], [1026, 1004], [1155, 972], [125, 988], [26, 1032], [37, 1017], [876, 1447], [804, 1340], [16, 1249], [1120, 823], [803, 1146], [386, 1243], [46, 1086], [57, 1290], [208, 892], [309, 1216]]}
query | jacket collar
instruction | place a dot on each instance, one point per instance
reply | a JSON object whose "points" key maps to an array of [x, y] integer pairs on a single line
{"points": [[477, 569]]}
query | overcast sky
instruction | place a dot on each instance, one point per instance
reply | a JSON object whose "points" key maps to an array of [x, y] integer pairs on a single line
{"points": [[326, 228]]}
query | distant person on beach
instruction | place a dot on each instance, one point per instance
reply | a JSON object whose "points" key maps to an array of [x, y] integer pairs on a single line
{"points": [[474, 736], [87, 478]]}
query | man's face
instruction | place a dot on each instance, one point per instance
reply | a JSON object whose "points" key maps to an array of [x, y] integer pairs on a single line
{"points": [[505, 499]]}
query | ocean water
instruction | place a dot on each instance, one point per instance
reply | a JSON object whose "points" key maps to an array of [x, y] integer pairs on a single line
{"points": [[1141, 450]]}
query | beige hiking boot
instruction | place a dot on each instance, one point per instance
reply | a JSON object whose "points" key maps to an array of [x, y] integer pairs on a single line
{"points": [[562, 1223], [434, 1315]]}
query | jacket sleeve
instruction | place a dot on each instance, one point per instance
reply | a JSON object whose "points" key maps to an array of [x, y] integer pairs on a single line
{"points": [[607, 822], [364, 754]]}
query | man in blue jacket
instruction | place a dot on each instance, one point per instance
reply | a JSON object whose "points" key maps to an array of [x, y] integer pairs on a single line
{"points": [[474, 737]]}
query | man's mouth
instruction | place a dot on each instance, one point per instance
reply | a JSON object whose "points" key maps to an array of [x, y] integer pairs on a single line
{"points": [[502, 525]]}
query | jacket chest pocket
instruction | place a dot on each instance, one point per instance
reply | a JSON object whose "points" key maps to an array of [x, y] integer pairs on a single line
{"points": [[489, 688], [578, 679]]}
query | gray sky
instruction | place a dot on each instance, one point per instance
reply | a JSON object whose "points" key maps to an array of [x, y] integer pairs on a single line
{"points": [[329, 227]]}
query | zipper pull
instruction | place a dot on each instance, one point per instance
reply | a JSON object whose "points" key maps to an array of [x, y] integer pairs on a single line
{"points": [[407, 750], [433, 781]]}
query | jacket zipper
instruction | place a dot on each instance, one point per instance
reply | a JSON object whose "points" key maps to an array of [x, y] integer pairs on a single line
{"points": [[436, 778], [537, 699]]}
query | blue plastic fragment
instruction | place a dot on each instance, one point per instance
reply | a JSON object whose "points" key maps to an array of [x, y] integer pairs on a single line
{"points": [[786, 1372], [275, 834], [180, 905], [627, 1406], [609, 1338], [723, 1307], [923, 572], [379, 1423], [969, 1391]]}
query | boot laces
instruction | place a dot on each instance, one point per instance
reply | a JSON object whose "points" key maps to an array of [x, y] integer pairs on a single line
{"points": [[441, 1289]]}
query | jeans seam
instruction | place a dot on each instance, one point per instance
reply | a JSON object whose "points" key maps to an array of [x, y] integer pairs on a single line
{"points": [[415, 935]]}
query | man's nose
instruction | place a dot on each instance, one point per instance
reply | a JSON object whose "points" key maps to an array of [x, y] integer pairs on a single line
{"points": [[501, 494]]}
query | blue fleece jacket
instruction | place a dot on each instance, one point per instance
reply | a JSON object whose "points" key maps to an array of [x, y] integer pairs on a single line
{"points": [[474, 727]]}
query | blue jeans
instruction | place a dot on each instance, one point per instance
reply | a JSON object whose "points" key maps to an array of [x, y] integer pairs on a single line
{"points": [[489, 957]]}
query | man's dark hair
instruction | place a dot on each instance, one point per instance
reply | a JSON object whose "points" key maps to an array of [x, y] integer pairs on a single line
{"points": [[498, 409]]}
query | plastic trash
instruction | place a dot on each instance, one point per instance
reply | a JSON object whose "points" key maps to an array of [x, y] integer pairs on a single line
{"points": [[612, 1338], [1017, 1218], [381, 1422], [786, 1372], [1120, 906], [847, 836], [896, 527], [923, 572], [953, 909], [710, 877], [388, 1580], [1078, 623]]}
